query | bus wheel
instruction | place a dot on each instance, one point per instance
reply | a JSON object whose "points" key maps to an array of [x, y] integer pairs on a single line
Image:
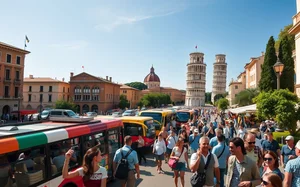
{"points": [[70, 185]]}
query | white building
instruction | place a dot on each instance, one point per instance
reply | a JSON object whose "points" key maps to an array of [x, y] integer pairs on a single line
{"points": [[219, 76], [196, 78]]}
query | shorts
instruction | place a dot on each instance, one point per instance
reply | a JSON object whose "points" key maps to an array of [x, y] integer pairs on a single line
{"points": [[159, 157], [180, 166], [169, 151]]}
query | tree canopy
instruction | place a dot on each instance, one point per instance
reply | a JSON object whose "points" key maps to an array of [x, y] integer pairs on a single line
{"points": [[219, 96], [267, 81], [222, 104], [62, 104], [285, 33], [124, 103], [246, 97], [285, 56], [280, 105], [137, 85], [155, 100]]}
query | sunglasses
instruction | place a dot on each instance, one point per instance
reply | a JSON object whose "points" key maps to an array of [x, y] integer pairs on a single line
{"points": [[264, 182], [268, 159], [251, 143]]}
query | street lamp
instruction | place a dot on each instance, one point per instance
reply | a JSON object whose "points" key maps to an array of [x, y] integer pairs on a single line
{"points": [[278, 68], [19, 101]]}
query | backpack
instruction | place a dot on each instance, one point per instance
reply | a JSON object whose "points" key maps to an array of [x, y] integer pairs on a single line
{"points": [[123, 166]]}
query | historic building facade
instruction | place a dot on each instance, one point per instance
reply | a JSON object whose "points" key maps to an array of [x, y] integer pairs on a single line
{"points": [[133, 95], [253, 71], [152, 80], [42, 92], [91, 93], [219, 76], [12, 60], [196, 78]]}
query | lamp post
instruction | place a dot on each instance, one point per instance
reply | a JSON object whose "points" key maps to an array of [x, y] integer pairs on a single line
{"points": [[278, 68], [19, 100]]}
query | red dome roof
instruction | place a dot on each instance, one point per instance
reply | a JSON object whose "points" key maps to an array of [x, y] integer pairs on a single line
{"points": [[152, 77]]}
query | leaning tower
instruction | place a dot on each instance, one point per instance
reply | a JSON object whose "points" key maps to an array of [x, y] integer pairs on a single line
{"points": [[195, 82], [219, 76]]}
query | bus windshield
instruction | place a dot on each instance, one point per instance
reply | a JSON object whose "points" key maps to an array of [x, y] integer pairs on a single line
{"points": [[183, 116], [151, 129], [155, 116]]}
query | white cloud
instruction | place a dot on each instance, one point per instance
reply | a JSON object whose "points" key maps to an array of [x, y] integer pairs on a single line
{"points": [[73, 45]]}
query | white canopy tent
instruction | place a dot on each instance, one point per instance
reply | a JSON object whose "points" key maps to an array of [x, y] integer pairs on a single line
{"points": [[244, 109]]}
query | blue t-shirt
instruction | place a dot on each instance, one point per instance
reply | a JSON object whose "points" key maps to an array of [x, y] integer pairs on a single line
{"points": [[132, 157], [286, 152], [276, 171], [217, 150], [293, 167], [213, 142], [194, 143], [270, 146]]}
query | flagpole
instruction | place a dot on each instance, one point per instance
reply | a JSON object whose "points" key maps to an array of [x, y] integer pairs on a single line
{"points": [[25, 43]]}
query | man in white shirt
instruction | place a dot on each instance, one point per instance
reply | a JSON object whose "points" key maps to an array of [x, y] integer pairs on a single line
{"points": [[171, 139], [199, 160]]}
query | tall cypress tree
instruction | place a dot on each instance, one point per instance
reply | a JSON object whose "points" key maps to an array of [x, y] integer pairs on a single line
{"points": [[285, 56], [267, 81]]}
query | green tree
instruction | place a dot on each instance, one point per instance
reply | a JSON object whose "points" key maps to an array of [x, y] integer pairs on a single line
{"points": [[124, 103], [246, 97], [267, 81], [218, 96], [285, 33], [62, 104], [281, 105], [208, 97], [137, 85], [155, 99], [222, 104], [285, 56]]}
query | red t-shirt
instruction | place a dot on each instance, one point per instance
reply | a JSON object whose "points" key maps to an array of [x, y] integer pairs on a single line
{"points": [[96, 178]]}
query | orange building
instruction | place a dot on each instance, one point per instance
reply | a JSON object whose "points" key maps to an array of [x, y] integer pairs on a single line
{"points": [[12, 60], [91, 93], [133, 95]]}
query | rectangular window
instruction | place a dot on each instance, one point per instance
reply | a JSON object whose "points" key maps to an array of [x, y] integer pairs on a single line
{"points": [[7, 74], [50, 88], [29, 97], [63, 97], [68, 90], [41, 97], [50, 98], [8, 58], [41, 88], [236, 87], [6, 91], [18, 60], [16, 92], [68, 98], [30, 89], [17, 75], [64, 89]]}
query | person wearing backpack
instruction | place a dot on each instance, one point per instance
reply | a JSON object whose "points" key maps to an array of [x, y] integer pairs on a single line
{"points": [[126, 163]]}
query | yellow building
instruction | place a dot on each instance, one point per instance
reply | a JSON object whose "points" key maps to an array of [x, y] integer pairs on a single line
{"points": [[42, 92], [253, 71], [133, 95], [236, 87]]}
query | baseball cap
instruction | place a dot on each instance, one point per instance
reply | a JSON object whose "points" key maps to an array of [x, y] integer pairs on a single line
{"points": [[289, 137], [298, 145], [196, 131]]}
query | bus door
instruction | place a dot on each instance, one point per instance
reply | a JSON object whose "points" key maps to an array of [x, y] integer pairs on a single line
{"points": [[133, 130], [114, 142]]}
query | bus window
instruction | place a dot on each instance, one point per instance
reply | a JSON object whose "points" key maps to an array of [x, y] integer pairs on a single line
{"points": [[96, 139], [27, 166], [155, 116], [58, 151], [133, 129], [113, 146]]}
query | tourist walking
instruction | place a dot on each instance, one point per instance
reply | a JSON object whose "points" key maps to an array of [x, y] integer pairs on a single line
{"points": [[140, 149], [203, 157], [214, 141], [159, 149], [271, 180], [92, 173], [287, 151], [253, 152], [292, 170], [179, 153], [270, 144], [133, 164], [221, 150], [271, 164], [194, 141], [242, 171], [241, 132], [232, 131], [172, 140]]}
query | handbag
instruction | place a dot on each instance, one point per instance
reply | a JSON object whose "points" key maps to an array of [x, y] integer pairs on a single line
{"points": [[198, 178], [173, 162]]}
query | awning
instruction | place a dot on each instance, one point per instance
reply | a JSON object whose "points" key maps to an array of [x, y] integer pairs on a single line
{"points": [[244, 109], [25, 112]]}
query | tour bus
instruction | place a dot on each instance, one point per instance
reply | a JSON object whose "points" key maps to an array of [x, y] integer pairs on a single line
{"points": [[183, 116], [137, 125], [160, 115], [33, 154]]}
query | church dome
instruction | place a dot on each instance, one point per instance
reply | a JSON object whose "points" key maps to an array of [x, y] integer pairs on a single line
{"points": [[152, 77]]}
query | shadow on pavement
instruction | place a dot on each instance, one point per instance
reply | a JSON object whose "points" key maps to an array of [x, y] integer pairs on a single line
{"points": [[146, 173]]}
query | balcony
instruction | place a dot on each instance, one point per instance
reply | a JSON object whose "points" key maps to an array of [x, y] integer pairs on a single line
{"points": [[296, 24], [8, 81], [17, 82]]}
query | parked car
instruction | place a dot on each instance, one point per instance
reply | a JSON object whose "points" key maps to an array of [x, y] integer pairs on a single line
{"points": [[94, 114], [129, 113], [45, 114], [117, 114]]}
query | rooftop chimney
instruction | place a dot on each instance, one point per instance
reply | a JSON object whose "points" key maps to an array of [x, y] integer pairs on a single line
{"points": [[106, 77], [63, 79], [71, 74], [31, 76], [262, 53], [110, 79]]}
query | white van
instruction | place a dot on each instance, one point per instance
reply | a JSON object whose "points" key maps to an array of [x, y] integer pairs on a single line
{"points": [[67, 115]]}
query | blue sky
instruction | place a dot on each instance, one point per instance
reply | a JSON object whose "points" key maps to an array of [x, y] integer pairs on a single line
{"points": [[122, 39]]}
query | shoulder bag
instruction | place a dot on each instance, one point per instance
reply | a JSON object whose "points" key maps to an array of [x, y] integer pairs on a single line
{"points": [[173, 162], [222, 151], [198, 178]]}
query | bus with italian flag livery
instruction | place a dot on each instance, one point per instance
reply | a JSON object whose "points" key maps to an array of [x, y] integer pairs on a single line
{"points": [[32, 154]]}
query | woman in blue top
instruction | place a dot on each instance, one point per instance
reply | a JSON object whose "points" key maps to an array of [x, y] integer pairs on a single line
{"points": [[271, 164]]}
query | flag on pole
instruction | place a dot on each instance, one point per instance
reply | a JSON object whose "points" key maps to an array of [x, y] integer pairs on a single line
{"points": [[27, 40]]}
